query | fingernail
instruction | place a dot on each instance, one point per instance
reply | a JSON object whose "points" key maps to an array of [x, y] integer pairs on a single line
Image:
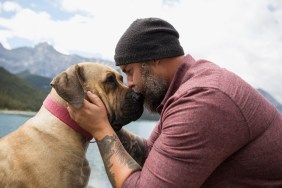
{"points": [[89, 93]]}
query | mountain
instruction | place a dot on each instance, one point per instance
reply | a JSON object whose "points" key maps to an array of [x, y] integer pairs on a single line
{"points": [[40, 82], [42, 60], [271, 99], [17, 94]]}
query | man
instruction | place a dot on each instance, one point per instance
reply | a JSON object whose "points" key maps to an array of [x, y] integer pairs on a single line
{"points": [[215, 130]]}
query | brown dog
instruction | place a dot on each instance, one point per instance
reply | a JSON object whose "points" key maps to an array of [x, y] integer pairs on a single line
{"points": [[49, 149]]}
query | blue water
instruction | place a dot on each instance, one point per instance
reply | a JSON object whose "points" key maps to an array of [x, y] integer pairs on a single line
{"points": [[98, 177], [9, 123]]}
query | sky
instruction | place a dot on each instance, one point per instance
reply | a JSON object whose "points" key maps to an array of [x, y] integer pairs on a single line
{"points": [[244, 36]]}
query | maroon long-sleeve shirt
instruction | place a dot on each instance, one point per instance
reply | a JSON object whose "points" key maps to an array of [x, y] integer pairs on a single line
{"points": [[215, 130]]}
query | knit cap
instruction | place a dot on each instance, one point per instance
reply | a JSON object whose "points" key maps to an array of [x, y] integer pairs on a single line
{"points": [[147, 39]]}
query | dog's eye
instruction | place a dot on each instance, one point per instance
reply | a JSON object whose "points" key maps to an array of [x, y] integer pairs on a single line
{"points": [[120, 78], [110, 83], [111, 79]]}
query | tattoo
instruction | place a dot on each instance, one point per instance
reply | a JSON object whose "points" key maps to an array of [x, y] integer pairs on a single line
{"points": [[110, 146], [133, 144]]}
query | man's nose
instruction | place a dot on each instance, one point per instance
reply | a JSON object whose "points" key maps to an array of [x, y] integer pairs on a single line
{"points": [[130, 83]]}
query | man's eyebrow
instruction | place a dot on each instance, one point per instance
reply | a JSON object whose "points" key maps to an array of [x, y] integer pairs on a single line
{"points": [[124, 68]]}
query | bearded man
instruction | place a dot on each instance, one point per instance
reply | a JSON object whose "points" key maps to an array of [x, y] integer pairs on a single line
{"points": [[215, 130]]}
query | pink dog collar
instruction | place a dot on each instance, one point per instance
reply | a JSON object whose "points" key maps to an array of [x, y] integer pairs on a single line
{"points": [[62, 113]]}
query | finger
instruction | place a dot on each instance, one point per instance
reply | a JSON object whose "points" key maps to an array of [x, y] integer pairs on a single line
{"points": [[94, 98], [71, 111]]}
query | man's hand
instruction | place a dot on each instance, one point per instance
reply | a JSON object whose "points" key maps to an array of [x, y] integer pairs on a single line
{"points": [[92, 116]]}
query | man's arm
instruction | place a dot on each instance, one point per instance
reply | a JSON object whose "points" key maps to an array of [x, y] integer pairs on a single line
{"points": [[133, 144], [118, 163]]}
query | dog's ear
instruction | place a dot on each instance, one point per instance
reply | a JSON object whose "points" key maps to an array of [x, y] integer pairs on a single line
{"points": [[69, 85]]}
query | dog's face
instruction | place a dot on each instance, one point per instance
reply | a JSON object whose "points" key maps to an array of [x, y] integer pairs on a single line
{"points": [[122, 103]]}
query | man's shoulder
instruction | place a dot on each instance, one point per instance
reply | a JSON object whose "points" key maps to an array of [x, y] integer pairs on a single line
{"points": [[206, 74]]}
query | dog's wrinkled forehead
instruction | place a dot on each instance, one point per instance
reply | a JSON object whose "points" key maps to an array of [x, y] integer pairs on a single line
{"points": [[96, 71]]}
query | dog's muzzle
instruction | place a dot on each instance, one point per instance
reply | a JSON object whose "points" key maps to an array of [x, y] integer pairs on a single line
{"points": [[131, 109]]}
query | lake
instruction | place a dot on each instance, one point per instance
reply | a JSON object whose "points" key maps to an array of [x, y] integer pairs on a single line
{"points": [[98, 177]]}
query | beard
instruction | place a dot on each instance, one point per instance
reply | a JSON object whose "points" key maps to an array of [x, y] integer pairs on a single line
{"points": [[154, 89]]}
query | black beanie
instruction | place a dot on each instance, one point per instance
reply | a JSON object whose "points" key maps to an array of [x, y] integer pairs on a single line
{"points": [[147, 39]]}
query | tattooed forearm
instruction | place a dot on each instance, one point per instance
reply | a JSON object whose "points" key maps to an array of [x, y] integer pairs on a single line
{"points": [[133, 144], [112, 151]]}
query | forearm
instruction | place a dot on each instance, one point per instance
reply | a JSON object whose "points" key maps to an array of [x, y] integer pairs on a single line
{"points": [[133, 144], [118, 163]]}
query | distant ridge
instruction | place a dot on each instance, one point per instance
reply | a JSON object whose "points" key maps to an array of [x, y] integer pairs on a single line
{"points": [[40, 82], [271, 99], [17, 94], [42, 60]]}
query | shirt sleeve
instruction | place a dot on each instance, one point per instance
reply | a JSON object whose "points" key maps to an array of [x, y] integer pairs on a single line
{"points": [[199, 130]]}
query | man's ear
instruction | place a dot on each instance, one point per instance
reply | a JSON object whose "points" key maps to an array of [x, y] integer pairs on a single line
{"points": [[69, 85]]}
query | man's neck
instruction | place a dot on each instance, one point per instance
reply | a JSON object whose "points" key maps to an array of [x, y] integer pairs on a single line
{"points": [[171, 65]]}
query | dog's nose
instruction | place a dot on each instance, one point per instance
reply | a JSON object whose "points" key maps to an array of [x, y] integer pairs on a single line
{"points": [[137, 97]]}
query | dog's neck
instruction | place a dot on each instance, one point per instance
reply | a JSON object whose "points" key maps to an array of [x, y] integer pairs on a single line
{"points": [[57, 107]]}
